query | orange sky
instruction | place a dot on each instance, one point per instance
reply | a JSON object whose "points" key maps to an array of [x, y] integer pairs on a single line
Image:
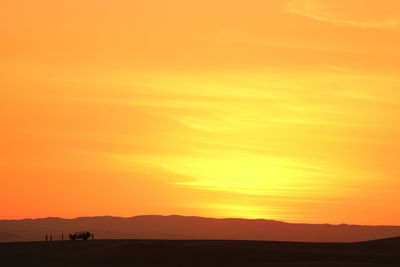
{"points": [[281, 109]]}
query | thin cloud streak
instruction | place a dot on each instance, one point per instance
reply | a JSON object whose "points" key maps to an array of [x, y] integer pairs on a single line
{"points": [[316, 10]]}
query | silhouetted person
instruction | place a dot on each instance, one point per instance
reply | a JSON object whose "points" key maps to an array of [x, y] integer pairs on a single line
{"points": [[92, 236], [62, 236], [46, 237], [51, 237]]}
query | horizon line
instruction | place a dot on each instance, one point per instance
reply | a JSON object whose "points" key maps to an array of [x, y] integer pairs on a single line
{"points": [[194, 216]]}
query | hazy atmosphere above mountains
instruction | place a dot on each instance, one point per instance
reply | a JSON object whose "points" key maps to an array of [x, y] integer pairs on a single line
{"points": [[284, 109]]}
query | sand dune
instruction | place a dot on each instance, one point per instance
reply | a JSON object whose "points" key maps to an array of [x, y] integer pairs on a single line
{"points": [[199, 253]]}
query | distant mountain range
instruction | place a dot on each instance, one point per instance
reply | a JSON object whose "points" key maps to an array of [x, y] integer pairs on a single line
{"points": [[182, 227]]}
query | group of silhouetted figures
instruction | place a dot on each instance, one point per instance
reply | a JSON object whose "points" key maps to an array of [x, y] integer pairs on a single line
{"points": [[77, 235], [81, 235]]}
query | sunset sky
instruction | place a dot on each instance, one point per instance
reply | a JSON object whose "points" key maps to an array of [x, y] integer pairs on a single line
{"points": [[277, 109]]}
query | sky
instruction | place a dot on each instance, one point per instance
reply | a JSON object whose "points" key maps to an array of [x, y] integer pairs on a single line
{"points": [[282, 109]]}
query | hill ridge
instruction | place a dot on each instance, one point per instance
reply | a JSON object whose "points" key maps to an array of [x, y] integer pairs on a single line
{"points": [[193, 227]]}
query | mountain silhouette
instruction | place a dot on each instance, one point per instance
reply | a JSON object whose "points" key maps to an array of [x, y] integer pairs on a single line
{"points": [[182, 227]]}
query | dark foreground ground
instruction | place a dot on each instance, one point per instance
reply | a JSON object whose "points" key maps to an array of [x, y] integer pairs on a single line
{"points": [[200, 253]]}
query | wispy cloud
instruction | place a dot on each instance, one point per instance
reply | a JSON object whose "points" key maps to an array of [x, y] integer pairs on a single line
{"points": [[316, 10]]}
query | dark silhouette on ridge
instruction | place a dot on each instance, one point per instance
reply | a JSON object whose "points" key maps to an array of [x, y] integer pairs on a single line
{"points": [[80, 235]]}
